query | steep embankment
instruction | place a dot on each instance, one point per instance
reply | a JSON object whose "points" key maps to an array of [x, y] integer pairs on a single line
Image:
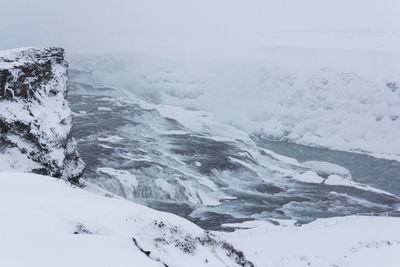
{"points": [[35, 118]]}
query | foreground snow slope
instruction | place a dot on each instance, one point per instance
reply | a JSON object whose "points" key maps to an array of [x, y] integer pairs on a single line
{"points": [[358, 241], [48, 222]]}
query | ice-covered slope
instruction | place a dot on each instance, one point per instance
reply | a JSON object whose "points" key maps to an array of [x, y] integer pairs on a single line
{"points": [[336, 98], [48, 222], [35, 119]]}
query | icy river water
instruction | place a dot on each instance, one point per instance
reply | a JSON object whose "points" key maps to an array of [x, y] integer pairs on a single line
{"points": [[380, 173], [215, 174]]}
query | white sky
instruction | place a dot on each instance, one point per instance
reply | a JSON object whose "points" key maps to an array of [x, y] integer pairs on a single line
{"points": [[184, 27]]}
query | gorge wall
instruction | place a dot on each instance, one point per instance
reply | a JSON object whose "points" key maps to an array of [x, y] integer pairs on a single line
{"points": [[35, 118]]}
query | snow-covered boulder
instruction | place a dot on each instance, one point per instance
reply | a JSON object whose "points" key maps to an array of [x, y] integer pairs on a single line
{"points": [[49, 222], [35, 118]]}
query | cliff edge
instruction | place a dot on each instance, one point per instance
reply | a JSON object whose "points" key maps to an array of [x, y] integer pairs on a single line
{"points": [[35, 118]]}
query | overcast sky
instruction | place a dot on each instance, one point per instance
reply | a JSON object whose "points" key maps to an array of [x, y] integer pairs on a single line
{"points": [[188, 26]]}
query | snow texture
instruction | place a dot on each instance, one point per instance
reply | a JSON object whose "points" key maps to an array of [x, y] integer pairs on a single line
{"points": [[48, 222], [343, 241]]}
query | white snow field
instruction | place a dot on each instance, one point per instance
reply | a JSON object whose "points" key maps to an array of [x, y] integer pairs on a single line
{"points": [[343, 241], [48, 222]]}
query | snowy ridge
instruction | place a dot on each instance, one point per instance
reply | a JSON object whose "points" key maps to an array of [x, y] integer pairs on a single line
{"points": [[35, 120]]}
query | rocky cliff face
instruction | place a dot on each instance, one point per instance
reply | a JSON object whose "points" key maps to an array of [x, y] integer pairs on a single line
{"points": [[35, 118]]}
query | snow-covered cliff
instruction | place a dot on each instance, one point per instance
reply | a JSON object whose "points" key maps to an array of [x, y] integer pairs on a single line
{"points": [[35, 118]]}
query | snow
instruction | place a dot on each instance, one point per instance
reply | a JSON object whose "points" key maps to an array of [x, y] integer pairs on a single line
{"points": [[103, 109], [111, 139], [308, 177], [327, 167], [47, 222], [333, 179], [105, 146], [201, 122], [13, 160], [127, 180], [344, 241], [338, 180], [49, 111]]}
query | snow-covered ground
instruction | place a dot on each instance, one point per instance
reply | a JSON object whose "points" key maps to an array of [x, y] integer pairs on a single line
{"points": [[47, 222], [360, 241]]}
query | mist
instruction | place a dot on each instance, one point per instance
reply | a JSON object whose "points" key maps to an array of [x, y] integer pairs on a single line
{"points": [[190, 29]]}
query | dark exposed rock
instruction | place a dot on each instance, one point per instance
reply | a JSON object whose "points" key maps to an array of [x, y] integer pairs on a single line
{"points": [[268, 188], [393, 86]]}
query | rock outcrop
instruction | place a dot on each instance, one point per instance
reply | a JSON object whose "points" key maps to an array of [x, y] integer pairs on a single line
{"points": [[35, 118]]}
